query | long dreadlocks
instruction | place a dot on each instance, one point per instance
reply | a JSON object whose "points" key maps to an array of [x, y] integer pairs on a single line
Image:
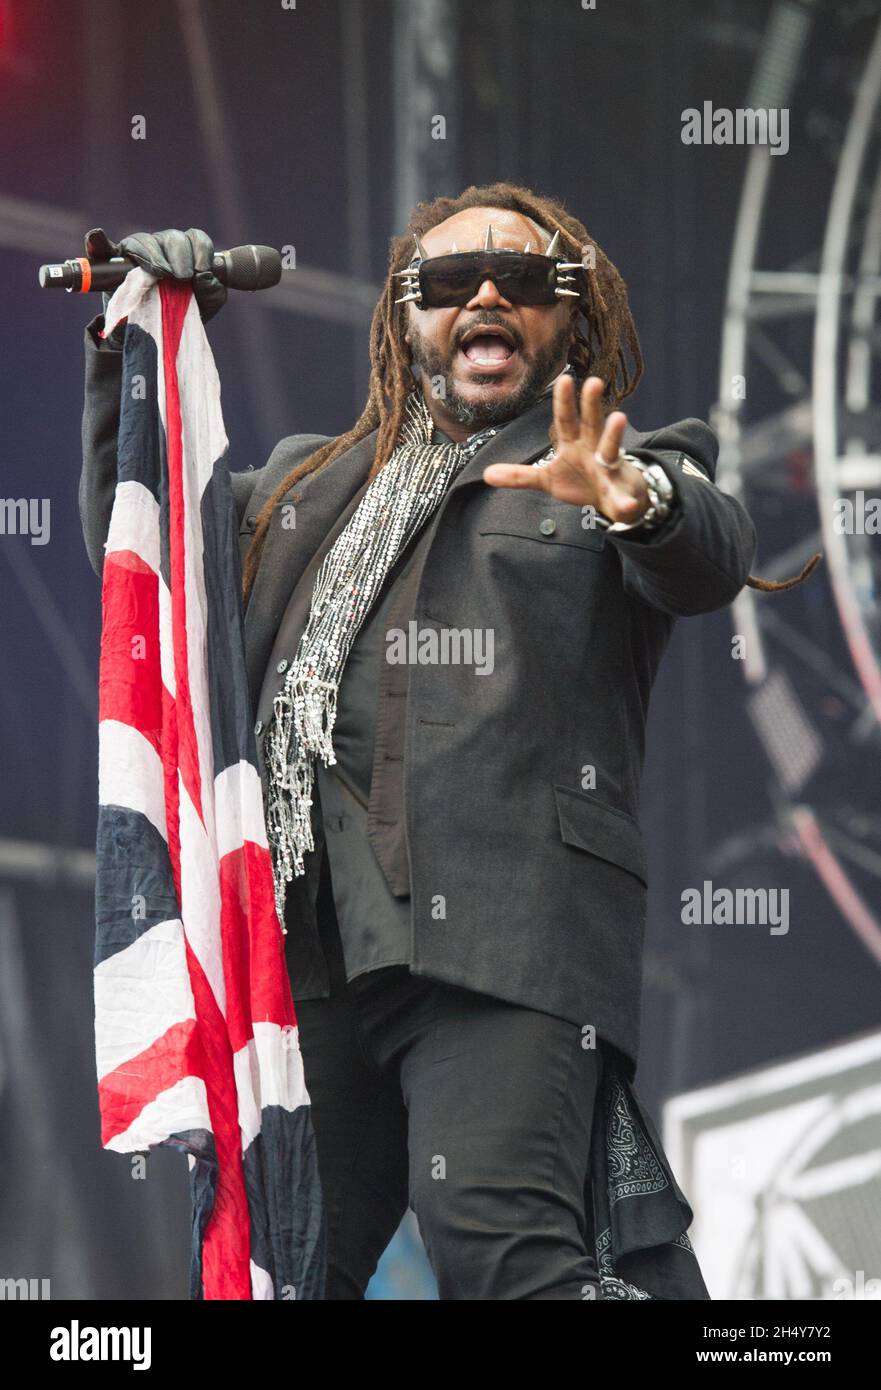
{"points": [[604, 343]]}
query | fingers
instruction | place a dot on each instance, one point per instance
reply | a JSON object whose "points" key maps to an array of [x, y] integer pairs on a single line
{"points": [[609, 445], [145, 250], [601, 434], [202, 249], [210, 294], [565, 410], [517, 475], [180, 253], [620, 504], [171, 253], [587, 424], [98, 245], [591, 411]]}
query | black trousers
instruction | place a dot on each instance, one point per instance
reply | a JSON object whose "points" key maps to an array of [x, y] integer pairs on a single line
{"points": [[475, 1112]]}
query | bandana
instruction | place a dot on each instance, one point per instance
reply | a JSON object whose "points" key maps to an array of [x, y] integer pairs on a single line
{"points": [[396, 505]]}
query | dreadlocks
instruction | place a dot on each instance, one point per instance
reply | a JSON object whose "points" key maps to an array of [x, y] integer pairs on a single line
{"points": [[604, 342]]}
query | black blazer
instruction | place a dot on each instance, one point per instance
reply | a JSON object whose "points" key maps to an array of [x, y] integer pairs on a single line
{"points": [[525, 885]]}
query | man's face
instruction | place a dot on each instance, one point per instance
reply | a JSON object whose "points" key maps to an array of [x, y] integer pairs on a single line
{"points": [[487, 377]]}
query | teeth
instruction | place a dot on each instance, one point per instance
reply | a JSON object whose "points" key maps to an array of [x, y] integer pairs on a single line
{"points": [[485, 333]]}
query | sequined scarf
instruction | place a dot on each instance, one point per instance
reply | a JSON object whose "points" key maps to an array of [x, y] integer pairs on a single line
{"points": [[398, 502]]}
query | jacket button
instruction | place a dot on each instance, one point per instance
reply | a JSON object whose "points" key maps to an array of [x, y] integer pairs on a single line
{"points": [[250, 522], [282, 666], [547, 526], [258, 727]]}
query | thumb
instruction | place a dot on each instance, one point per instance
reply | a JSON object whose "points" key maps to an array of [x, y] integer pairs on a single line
{"points": [[98, 245]]}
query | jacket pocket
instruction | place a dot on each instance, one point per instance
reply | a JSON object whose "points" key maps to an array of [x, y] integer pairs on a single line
{"points": [[544, 520], [599, 829]]}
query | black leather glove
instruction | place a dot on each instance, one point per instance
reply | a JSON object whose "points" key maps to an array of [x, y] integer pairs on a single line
{"points": [[172, 254]]}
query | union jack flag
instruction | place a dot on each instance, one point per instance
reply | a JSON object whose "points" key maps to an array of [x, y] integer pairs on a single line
{"points": [[196, 1035]]}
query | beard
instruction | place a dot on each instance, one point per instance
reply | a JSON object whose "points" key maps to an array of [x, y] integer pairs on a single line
{"points": [[543, 365]]}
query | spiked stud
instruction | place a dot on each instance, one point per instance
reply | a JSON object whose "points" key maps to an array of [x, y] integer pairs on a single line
{"points": [[454, 250], [571, 265], [420, 249], [569, 294], [410, 298], [552, 245], [489, 244], [527, 246]]}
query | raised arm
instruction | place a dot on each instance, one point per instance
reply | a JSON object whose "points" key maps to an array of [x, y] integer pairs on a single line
{"points": [[170, 254], [698, 556]]}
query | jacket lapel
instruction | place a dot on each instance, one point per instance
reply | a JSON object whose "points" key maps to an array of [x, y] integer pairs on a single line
{"points": [[318, 498]]}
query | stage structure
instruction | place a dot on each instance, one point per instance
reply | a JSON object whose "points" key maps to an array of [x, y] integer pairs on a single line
{"points": [[800, 433], [782, 1166]]}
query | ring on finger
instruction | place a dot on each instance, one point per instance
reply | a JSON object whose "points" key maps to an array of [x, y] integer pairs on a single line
{"points": [[604, 463]]}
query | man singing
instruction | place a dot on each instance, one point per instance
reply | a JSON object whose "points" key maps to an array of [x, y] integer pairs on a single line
{"points": [[454, 616]]}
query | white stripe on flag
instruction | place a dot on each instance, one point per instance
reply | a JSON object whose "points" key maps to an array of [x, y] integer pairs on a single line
{"points": [[204, 436], [141, 992], [261, 1284], [183, 1106], [239, 808], [134, 523], [130, 773], [200, 890], [269, 1071]]}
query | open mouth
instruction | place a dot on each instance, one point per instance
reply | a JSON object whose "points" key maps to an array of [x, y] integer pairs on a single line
{"points": [[488, 347]]}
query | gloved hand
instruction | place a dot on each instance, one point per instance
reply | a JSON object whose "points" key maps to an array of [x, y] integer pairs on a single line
{"points": [[172, 254]]}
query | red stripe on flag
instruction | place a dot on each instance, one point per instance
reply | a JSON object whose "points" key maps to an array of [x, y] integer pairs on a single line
{"points": [[130, 678], [257, 985], [226, 1244], [135, 1083], [171, 786]]}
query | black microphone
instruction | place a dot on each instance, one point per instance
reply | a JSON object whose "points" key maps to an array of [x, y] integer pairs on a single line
{"points": [[242, 268]]}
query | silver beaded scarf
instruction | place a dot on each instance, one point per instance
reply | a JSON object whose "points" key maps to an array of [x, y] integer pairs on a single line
{"points": [[397, 503]]}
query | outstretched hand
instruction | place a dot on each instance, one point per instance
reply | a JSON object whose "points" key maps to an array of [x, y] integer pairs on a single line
{"points": [[574, 473]]}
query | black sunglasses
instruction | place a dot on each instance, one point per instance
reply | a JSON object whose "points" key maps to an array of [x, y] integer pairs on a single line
{"points": [[521, 277]]}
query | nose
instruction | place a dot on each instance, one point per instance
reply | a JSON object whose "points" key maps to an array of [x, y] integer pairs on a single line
{"points": [[488, 297]]}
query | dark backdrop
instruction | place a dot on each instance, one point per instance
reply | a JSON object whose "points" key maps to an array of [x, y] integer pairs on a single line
{"points": [[582, 104]]}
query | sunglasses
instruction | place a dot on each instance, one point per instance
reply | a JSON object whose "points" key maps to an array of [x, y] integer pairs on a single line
{"points": [[521, 277]]}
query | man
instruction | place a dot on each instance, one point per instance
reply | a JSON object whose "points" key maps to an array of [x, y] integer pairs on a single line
{"points": [[450, 656]]}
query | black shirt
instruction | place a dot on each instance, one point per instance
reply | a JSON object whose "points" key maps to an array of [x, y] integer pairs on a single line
{"points": [[374, 923]]}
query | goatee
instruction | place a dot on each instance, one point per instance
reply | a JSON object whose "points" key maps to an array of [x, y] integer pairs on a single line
{"points": [[434, 365]]}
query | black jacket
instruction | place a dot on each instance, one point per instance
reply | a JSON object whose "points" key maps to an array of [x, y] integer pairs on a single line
{"points": [[524, 885]]}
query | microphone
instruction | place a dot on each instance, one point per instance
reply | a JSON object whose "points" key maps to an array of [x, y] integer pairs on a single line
{"points": [[242, 268]]}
